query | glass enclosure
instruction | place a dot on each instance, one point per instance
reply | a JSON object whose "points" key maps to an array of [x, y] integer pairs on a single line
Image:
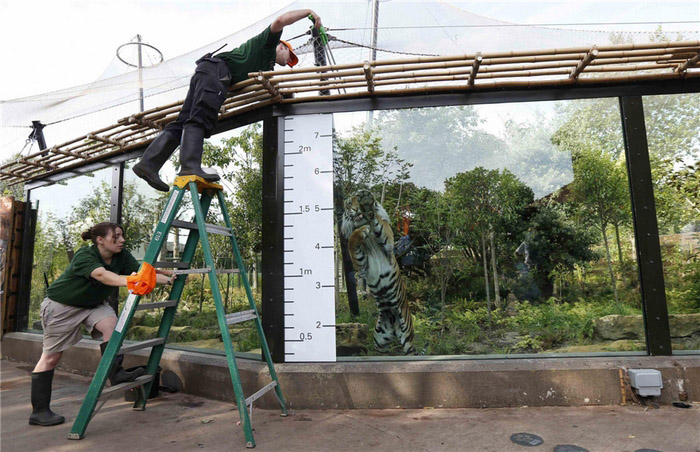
{"points": [[64, 211], [496, 229], [673, 131], [195, 325], [512, 230]]}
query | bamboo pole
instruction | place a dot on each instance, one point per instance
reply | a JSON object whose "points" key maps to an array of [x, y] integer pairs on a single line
{"points": [[691, 62], [475, 69], [369, 76], [585, 62]]}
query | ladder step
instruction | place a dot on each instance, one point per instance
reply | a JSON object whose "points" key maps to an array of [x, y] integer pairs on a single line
{"points": [[228, 270], [156, 305], [211, 228], [242, 316], [145, 344], [204, 270], [260, 393], [171, 265], [192, 271], [142, 380]]}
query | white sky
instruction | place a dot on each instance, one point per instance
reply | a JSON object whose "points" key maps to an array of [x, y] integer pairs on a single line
{"points": [[50, 45]]}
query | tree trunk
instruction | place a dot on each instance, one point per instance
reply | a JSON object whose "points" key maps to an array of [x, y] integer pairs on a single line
{"points": [[486, 276], [253, 270], [348, 270], [398, 201], [610, 269], [336, 273], [176, 244], [603, 227], [619, 245], [496, 289], [350, 282], [443, 277]]}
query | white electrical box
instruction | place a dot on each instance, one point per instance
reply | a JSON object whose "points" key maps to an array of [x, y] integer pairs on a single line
{"points": [[647, 382]]}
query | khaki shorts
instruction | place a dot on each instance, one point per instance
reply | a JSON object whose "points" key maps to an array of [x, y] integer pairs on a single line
{"points": [[62, 322]]}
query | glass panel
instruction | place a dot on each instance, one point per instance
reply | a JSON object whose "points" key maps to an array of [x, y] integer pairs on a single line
{"points": [[511, 225], [237, 156], [673, 131], [65, 210]]}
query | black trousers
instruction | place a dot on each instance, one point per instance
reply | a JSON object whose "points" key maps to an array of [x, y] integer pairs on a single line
{"points": [[206, 94]]}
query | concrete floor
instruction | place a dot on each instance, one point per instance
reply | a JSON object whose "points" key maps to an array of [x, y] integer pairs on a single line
{"points": [[180, 422]]}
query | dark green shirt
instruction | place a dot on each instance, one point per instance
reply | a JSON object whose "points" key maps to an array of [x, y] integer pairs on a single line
{"points": [[75, 287], [256, 54]]}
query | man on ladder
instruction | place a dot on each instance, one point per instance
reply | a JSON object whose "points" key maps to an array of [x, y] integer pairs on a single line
{"points": [[207, 92]]}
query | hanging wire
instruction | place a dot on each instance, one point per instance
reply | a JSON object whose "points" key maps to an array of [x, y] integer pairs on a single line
{"points": [[399, 27], [449, 35], [29, 141], [333, 38]]}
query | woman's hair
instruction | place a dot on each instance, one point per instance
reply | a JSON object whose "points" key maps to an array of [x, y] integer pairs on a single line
{"points": [[100, 230]]}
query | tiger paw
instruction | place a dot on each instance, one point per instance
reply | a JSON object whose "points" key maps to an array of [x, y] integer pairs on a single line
{"points": [[366, 201], [364, 231]]}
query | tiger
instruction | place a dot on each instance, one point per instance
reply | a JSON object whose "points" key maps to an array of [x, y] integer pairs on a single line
{"points": [[367, 228]]}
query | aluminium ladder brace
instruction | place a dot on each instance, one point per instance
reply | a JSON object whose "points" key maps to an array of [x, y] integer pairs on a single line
{"points": [[198, 232]]}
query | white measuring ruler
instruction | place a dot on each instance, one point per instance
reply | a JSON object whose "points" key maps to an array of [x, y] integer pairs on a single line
{"points": [[309, 292]]}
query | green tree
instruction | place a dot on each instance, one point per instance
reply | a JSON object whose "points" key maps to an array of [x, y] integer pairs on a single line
{"points": [[488, 206], [138, 214], [240, 160], [554, 242], [601, 193]]}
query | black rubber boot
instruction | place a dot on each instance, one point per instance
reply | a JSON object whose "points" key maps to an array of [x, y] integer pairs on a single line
{"points": [[41, 400], [117, 374], [191, 149], [157, 153]]}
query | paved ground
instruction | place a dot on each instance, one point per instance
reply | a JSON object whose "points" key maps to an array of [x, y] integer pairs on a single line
{"points": [[179, 422]]}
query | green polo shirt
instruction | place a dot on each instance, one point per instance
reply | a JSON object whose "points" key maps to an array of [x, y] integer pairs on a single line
{"points": [[256, 54], [75, 287]]}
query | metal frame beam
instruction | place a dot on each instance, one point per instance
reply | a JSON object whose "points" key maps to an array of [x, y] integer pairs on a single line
{"points": [[646, 231], [273, 236]]}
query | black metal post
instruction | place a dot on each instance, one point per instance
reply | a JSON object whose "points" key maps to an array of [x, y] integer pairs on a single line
{"points": [[38, 134], [115, 211], [319, 56], [115, 216], [273, 236], [646, 231], [25, 274]]}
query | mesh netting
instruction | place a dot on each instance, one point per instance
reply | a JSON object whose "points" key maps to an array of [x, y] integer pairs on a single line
{"points": [[405, 29]]}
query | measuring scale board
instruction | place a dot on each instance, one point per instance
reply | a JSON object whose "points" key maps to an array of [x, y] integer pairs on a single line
{"points": [[309, 289]]}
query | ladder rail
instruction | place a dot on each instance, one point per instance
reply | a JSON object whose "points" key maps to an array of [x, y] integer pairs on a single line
{"points": [[267, 356], [175, 293], [97, 385], [221, 318]]}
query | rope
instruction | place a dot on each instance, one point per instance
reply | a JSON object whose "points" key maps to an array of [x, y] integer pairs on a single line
{"points": [[333, 38]]}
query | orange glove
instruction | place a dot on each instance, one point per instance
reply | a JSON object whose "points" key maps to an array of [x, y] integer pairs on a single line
{"points": [[144, 281]]}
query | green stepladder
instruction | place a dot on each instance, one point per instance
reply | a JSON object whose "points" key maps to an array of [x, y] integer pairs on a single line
{"points": [[199, 231]]}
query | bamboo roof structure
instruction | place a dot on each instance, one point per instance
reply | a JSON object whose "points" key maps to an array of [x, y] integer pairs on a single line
{"points": [[628, 63]]}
